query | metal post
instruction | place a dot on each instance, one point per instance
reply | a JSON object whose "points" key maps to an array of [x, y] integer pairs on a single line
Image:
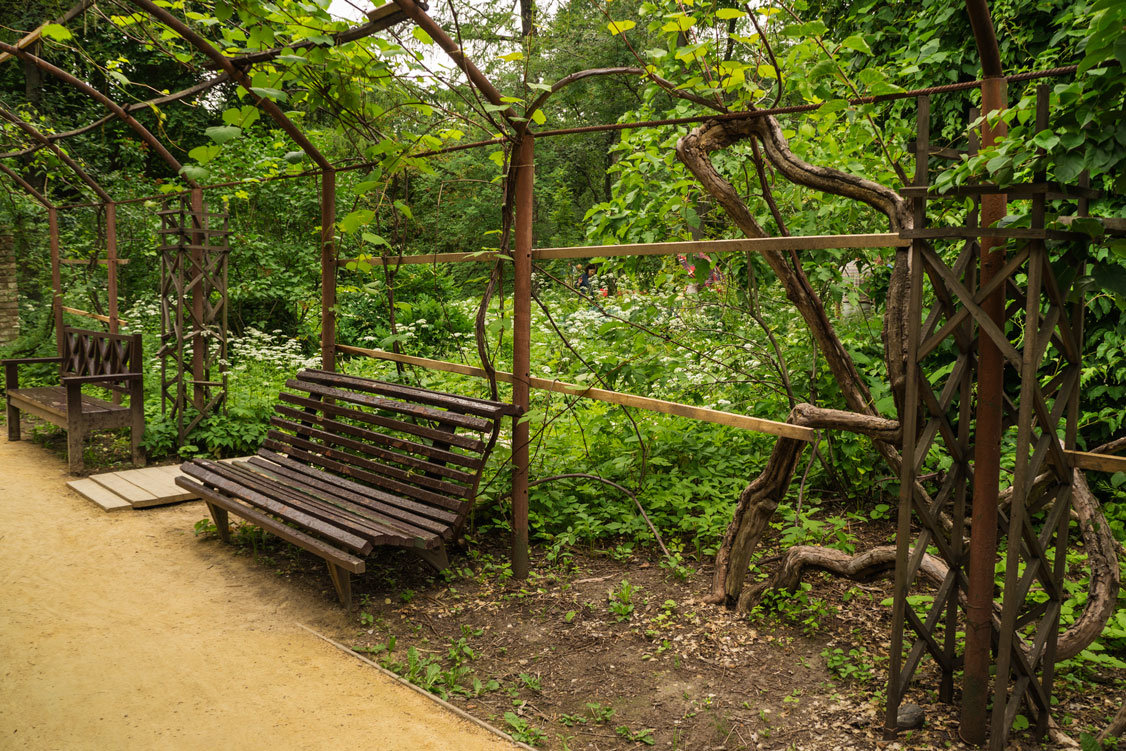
{"points": [[195, 281], [521, 351], [56, 279], [328, 270], [987, 453], [896, 684], [111, 265]]}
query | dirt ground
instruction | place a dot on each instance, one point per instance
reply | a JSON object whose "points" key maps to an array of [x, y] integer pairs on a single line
{"points": [[123, 631]]}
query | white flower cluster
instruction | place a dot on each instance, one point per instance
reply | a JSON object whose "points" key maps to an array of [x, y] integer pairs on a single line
{"points": [[269, 349]]}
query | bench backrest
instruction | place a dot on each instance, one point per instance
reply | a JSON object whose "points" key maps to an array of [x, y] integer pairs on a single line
{"points": [[426, 447], [87, 353]]}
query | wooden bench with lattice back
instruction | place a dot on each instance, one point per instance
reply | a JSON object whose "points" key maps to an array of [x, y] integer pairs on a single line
{"points": [[351, 463], [90, 358]]}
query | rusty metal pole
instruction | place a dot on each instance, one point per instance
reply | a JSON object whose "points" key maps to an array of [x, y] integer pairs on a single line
{"points": [[328, 270], [195, 281], [990, 411], [111, 265], [521, 351], [56, 278]]}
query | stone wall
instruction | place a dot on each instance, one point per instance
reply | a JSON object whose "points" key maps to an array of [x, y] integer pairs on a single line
{"points": [[9, 292]]}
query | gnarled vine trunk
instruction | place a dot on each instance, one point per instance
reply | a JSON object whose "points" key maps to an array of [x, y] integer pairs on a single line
{"points": [[759, 500]]}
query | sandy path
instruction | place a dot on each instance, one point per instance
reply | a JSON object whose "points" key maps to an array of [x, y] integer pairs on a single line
{"points": [[122, 631]]}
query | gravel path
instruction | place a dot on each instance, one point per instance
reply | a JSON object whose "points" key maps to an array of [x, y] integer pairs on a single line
{"points": [[123, 631]]}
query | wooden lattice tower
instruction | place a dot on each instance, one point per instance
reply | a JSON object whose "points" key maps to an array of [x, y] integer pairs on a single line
{"points": [[1041, 344], [193, 303]]}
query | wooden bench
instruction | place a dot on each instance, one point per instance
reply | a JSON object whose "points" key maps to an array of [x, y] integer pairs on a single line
{"points": [[351, 463], [90, 358]]}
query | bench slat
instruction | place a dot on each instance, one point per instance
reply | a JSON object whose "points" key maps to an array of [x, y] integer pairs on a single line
{"points": [[446, 507], [438, 457], [454, 402], [416, 411], [423, 431], [374, 532], [437, 522], [372, 470], [421, 529], [287, 533], [203, 471], [416, 477]]}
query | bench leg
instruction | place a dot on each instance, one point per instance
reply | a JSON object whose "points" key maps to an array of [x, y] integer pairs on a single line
{"points": [[436, 557], [75, 444], [135, 437], [137, 428], [13, 423], [219, 515], [342, 580], [75, 428]]}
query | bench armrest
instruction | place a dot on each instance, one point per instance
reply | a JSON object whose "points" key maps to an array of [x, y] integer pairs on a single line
{"points": [[29, 360], [101, 378]]}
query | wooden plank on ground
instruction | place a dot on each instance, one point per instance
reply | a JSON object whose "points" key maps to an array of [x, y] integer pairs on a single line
{"points": [[118, 484], [159, 483], [107, 500]]}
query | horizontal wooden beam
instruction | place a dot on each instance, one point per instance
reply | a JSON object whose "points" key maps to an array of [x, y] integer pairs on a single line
{"points": [[703, 414], [95, 316], [85, 262], [1096, 462], [740, 245]]}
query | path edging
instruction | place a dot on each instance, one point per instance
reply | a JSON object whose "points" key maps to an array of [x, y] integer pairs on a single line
{"points": [[403, 682]]}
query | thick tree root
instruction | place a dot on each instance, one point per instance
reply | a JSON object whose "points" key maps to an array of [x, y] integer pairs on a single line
{"points": [[759, 500], [1098, 542]]}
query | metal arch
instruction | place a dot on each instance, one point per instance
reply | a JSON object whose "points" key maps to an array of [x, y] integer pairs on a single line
{"points": [[237, 75], [199, 88], [39, 197], [98, 96], [66, 159]]}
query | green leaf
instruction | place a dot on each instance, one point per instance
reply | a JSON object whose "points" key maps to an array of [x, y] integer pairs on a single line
{"points": [[538, 117], [1046, 140], [194, 172], [1111, 277], [220, 134], [421, 35], [356, 219], [512, 57], [617, 27], [374, 239], [404, 209], [268, 93], [294, 157], [856, 42], [204, 154], [725, 14], [58, 32]]}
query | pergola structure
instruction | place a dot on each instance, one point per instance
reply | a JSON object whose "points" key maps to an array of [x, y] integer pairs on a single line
{"points": [[965, 306]]}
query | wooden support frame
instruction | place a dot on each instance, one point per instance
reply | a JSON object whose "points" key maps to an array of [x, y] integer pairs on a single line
{"points": [[703, 414], [738, 245], [1021, 630]]}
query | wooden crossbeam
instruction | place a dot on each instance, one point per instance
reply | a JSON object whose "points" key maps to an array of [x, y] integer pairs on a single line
{"points": [[95, 316], [740, 245], [746, 422], [84, 261]]}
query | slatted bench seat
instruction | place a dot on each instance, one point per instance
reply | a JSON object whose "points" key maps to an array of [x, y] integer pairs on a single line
{"points": [[90, 358], [351, 463]]}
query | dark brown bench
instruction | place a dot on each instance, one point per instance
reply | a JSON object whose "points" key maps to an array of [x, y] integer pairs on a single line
{"points": [[352, 463], [90, 358]]}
